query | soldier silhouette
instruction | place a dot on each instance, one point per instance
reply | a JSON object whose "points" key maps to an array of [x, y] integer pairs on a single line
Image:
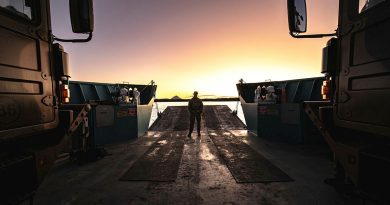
{"points": [[195, 107]]}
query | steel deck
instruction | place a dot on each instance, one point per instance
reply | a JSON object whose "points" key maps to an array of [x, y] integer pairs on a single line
{"points": [[202, 175]]}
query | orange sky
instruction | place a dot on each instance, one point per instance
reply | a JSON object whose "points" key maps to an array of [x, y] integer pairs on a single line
{"points": [[187, 45]]}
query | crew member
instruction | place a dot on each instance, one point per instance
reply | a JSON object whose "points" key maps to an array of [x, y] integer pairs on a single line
{"points": [[257, 94], [124, 92], [136, 95], [195, 107], [271, 96]]}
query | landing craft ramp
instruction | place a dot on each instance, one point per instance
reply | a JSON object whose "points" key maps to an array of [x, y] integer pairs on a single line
{"points": [[160, 162], [176, 118]]}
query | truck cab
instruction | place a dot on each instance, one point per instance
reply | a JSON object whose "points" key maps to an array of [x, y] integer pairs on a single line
{"points": [[363, 71], [355, 121], [33, 87], [27, 88]]}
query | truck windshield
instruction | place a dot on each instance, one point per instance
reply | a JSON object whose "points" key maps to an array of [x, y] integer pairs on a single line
{"points": [[365, 5], [21, 8]]}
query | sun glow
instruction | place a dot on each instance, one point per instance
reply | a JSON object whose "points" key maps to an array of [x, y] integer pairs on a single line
{"points": [[196, 45]]}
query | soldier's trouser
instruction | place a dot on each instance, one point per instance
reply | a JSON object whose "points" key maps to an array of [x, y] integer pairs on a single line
{"points": [[192, 121]]}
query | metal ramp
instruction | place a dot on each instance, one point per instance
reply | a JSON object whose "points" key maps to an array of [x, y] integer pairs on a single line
{"points": [[215, 117], [161, 162]]}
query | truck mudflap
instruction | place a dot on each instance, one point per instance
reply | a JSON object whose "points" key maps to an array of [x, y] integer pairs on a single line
{"points": [[21, 173]]}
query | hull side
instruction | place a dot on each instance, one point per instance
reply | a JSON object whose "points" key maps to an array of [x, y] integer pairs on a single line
{"points": [[144, 113], [250, 114], [283, 119]]}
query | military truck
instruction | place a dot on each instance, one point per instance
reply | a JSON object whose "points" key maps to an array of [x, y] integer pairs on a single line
{"points": [[35, 124], [355, 120]]}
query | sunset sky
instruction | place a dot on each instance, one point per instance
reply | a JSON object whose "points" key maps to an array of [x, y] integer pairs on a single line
{"points": [[187, 45]]}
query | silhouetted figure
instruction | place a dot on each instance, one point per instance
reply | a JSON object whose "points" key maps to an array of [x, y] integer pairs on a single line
{"points": [[195, 107]]}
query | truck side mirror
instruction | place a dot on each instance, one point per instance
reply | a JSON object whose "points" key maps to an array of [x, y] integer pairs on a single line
{"points": [[81, 15], [297, 16]]}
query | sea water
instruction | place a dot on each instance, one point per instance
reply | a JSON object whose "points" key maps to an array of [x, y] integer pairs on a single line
{"points": [[161, 106]]}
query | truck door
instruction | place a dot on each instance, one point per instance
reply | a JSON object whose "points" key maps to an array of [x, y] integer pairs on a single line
{"points": [[363, 94], [26, 84]]}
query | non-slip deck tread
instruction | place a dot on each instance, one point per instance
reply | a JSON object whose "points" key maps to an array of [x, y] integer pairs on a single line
{"points": [[161, 162], [174, 118], [219, 117], [244, 163]]}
